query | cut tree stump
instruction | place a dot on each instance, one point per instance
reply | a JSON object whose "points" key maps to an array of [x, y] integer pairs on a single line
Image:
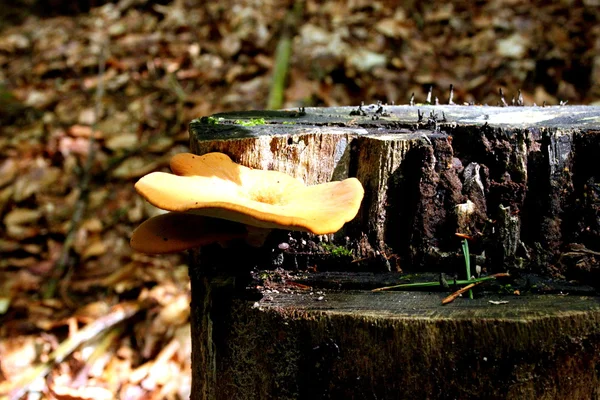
{"points": [[523, 182], [405, 345]]}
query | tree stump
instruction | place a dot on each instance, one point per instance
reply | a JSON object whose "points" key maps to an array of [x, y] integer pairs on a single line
{"points": [[523, 182]]}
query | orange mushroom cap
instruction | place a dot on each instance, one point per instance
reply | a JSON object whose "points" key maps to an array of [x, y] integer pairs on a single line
{"points": [[173, 232], [213, 185]]}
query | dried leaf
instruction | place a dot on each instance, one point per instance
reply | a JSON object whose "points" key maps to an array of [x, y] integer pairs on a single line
{"points": [[83, 393], [4, 304], [7, 246], [394, 28], [83, 131], [127, 141], [176, 312], [8, 172], [17, 354], [94, 249], [93, 225], [22, 216], [135, 167]]}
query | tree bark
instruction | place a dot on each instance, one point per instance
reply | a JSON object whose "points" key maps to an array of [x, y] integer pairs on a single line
{"points": [[405, 345], [522, 182]]}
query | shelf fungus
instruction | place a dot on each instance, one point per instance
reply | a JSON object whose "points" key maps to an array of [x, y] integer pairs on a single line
{"points": [[173, 232], [212, 186]]}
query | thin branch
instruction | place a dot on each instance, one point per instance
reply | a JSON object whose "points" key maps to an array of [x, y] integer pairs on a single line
{"points": [[454, 295], [118, 313], [80, 208], [99, 351]]}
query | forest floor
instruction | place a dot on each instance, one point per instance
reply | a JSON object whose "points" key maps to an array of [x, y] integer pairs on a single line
{"points": [[101, 321]]}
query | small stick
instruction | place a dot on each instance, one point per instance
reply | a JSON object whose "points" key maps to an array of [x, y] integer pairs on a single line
{"points": [[454, 295], [465, 236], [297, 285], [118, 313], [64, 264]]}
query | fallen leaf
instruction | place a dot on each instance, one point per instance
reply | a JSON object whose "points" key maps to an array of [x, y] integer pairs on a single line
{"points": [[22, 216], [83, 131], [8, 172], [126, 141], [17, 354], [83, 393], [135, 167], [94, 247], [176, 312]]}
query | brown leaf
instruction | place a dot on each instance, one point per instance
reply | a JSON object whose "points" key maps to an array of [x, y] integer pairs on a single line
{"points": [[39, 177], [135, 167], [94, 249], [17, 354], [60, 392], [176, 312], [7, 246], [23, 262], [8, 172], [93, 224], [126, 141], [83, 131], [22, 216], [393, 28]]}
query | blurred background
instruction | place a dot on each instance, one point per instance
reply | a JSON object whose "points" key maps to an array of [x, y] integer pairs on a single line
{"points": [[69, 157]]}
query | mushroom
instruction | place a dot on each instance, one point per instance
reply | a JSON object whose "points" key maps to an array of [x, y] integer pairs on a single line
{"points": [[213, 185], [174, 232], [205, 191]]}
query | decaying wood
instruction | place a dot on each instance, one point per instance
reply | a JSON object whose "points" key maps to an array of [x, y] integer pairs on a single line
{"points": [[520, 179], [315, 155], [217, 275], [405, 345], [522, 182]]}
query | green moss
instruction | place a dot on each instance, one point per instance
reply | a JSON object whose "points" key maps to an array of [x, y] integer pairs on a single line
{"points": [[337, 251], [251, 122], [289, 123], [506, 289], [211, 120]]}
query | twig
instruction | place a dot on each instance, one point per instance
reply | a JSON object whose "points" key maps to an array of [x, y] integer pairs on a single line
{"points": [[100, 350], [118, 313], [81, 204], [454, 295]]}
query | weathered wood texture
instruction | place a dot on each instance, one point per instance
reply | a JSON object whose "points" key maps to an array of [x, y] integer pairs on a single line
{"points": [[216, 275], [525, 181], [404, 345]]}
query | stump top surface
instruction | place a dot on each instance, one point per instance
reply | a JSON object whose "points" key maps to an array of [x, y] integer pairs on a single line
{"points": [[391, 118], [421, 305]]}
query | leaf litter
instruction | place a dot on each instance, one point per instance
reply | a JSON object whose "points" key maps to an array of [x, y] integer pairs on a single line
{"points": [[117, 325]]}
